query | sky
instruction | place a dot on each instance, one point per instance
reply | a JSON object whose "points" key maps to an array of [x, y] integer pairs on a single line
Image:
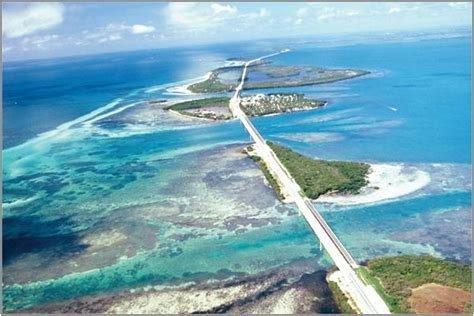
{"points": [[47, 30]]}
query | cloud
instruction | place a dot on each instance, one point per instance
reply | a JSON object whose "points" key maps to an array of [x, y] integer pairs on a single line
{"points": [[142, 29], [458, 4], [110, 38], [114, 32], [352, 13], [393, 10], [326, 16], [39, 42], [186, 15], [194, 17], [263, 13], [220, 8], [115, 37], [33, 18], [340, 12], [301, 12]]}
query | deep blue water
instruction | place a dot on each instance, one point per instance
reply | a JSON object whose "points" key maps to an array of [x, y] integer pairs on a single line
{"points": [[41, 94], [428, 82], [120, 170]]}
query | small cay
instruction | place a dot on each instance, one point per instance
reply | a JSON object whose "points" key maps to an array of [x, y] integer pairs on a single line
{"points": [[217, 108], [315, 176]]}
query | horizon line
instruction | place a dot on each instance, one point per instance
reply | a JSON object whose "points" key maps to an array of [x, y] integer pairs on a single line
{"points": [[210, 43]]}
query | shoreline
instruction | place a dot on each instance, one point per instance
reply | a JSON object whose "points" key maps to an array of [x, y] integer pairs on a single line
{"points": [[385, 182], [276, 86], [309, 83], [287, 111], [190, 117], [225, 120], [297, 285], [184, 89]]}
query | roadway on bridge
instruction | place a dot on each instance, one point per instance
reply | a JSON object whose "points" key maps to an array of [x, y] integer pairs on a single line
{"points": [[365, 297]]}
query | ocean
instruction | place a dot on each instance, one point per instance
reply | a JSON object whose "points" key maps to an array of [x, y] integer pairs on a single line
{"points": [[105, 194]]}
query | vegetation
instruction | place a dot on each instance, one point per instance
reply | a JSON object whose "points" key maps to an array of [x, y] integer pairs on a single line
{"points": [[392, 302], [200, 103], [213, 83], [341, 299], [316, 177], [395, 277], [209, 108], [216, 108], [271, 180], [275, 77], [282, 76], [261, 104], [210, 86]]}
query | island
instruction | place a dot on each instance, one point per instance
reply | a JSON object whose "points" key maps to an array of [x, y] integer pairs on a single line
{"points": [[217, 108], [263, 75], [314, 176], [413, 284]]}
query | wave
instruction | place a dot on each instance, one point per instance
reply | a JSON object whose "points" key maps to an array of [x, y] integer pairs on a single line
{"points": [[322, 137], [130, 130], [63, 127], [100, 117], [19, 203], [96, 114], [186, 82], [326, 117]]}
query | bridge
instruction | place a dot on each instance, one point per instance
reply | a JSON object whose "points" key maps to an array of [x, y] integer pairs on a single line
{"points": [[363, 296]]}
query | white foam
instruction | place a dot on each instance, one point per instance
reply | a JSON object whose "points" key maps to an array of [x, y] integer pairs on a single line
{"points": [[19, 202], [317, 137], [63, 127], [177, 84], [99, 117]]}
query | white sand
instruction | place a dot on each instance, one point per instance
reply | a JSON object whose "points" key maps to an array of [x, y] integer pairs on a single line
{"points": [[179, 90], [386, 181], [184, 89]]}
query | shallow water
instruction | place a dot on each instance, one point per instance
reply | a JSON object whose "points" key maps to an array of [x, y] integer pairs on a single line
{"points": [[131, 195]]}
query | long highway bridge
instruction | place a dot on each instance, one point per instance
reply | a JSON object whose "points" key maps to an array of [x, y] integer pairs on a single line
{"points": [[363, 296]]}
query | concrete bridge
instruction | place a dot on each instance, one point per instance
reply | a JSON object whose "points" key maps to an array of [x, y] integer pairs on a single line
{"points": [[363, 296]]}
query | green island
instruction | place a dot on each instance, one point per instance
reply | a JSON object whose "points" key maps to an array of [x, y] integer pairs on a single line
{"points": [[217, 108], [261, 104], [266, 172], [420, 284], [317, 177], [265, 75], [340, 298]]}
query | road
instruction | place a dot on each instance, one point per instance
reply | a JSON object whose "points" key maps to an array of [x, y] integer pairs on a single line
{"points": [[364, 297]]}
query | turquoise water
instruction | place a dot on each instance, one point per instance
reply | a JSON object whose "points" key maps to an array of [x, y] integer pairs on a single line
{"points": [[129, 196]]}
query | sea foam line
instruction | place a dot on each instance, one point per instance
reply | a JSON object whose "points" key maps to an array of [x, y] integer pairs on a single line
{"points": [[100, 117], [90, 117], [63, 127], [178, 84]]}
